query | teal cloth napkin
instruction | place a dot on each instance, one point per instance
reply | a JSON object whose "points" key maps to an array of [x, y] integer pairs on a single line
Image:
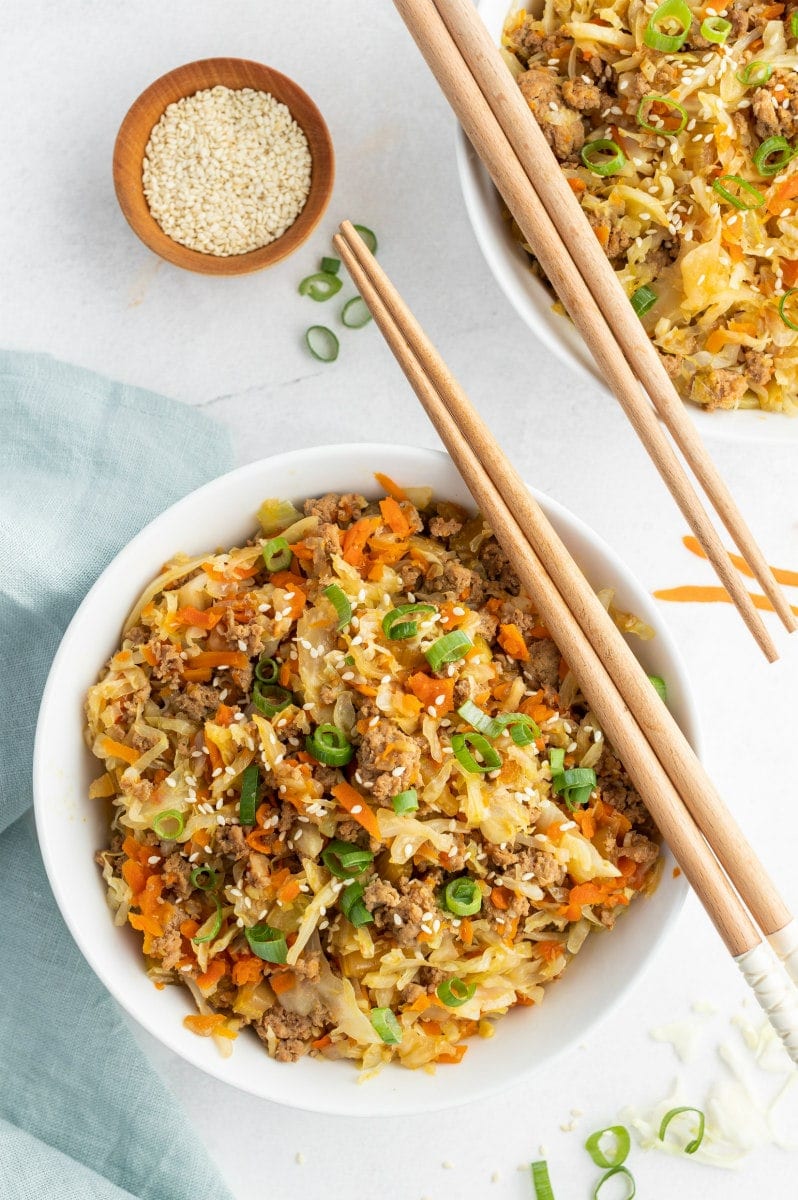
{"points": [[84, 463]]}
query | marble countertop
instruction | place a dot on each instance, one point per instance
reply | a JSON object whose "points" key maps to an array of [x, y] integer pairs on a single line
{"points": [[78, 284]]}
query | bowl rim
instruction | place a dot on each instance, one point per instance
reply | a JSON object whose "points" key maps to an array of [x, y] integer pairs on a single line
{"points": [[322, 181], [533, 303], [331, 1101]]}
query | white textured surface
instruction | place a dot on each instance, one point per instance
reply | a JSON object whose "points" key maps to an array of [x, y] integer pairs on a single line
{"points": [[785, 943], [77, 283], [774, 992]]}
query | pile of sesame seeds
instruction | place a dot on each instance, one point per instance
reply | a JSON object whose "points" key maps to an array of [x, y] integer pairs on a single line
{"points": [[226, 171]]}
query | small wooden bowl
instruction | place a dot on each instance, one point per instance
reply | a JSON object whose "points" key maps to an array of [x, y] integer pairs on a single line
{"points": [[131, 143]]}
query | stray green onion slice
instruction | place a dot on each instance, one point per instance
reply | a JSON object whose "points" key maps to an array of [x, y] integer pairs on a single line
{"points": [[355, 313], [216, 924], [659, 686], [462, 896], [757, 198], [693, 1145], [267, 669], [203, 878], [622, 1146], [405, 801], [464, 743], [782, 305], [277, 554], [385, 1022], [454, 992], [169, 824], [322, 343], [329, 745], [603, 157], [670, 11], [345, 859], [270, 698], [394, 625], [755, 74], [353, 906], [340, 602], [644, 113], [368, 236], [448, 649], [541, 1181], [267, 943], [331, 266], [716, 29], [631, 1191], [249, 794], [643, 299], [772, 156], [321, 286]]}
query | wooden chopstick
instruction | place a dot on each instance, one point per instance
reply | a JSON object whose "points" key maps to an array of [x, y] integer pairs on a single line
{"points": [[686, 773], [676, 825], [481, 56], [435, 43]]}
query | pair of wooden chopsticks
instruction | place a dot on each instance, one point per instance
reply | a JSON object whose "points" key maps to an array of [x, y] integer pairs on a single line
{"points": [[663, 767], [508, 140]]}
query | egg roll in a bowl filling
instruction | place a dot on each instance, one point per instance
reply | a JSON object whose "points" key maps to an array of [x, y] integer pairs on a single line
{"points": [[356, 798]]}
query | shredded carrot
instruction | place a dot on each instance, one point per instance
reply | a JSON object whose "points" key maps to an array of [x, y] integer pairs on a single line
{"points": [[208, 979], [454, 1054], [433, 693], [289, 891], [302, 551], [421, 1003], [356, 806], [114, 749], [135, 874], [224, 715], [200, 676], [282, 982], [202, 618], [145, 923], [356, 537], [512, 641], [789, 270], [711, 595], [717, 339], [500, 897], [214, 755], [583, 893], [137, 850], [188, 928], [365, 689], [204, 1025], [576, 185], [248, 969], [219, 658], [466, 931], [260, 841], [549, 950], [284, 674], [790, 578], [393, 489], [677, 872], [453, 615], [322, 1043], [148, 655], [394, 518], [431, 1028]]}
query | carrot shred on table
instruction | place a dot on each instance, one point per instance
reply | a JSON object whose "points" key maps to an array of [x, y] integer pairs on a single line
{"points": [[356, 806]]}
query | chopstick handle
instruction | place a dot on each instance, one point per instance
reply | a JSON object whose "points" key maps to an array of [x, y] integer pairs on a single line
{"points": [[774, 992], [785, 943]]}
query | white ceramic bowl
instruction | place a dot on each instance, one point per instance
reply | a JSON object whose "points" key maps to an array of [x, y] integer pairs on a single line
{"points": [[533, 302], [71, 828]]}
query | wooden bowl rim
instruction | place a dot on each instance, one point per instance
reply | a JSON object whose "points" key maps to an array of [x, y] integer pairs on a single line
{"points": [[129, 187]]}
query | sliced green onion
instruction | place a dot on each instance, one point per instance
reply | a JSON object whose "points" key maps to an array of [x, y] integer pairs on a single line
{"points": [[448, 649], [270, 698], [405, 801], [169, 817], [321, 286], [394, 625], [353, 906], [556, 760], [385, 1022], [523, 729], [575, 785], [782, 304], [331, 266], [277, 554], [631, 1190], [755, 74], [340, 602], [644, 112], [462, 896], [594, 156], [692, 1146], [355, 313], [623, 1145], [794, 24], [541, 1181], [215, 926], [345, 859], [249, 794], [203, 878], [659, 685], [671, 10], [643, 299], [772, 156], [490, 726], [322, 343], [267, 943], [716, 29], [454, 992], [368, 236], [744, 186], [267, 669], [463, 743], [329, 745]]}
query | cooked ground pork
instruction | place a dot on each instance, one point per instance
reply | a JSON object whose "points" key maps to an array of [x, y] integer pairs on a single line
{"points": [[562, 125], [543, 668], [293, 1031], [388, 761], [775, 106], [718, 388]]}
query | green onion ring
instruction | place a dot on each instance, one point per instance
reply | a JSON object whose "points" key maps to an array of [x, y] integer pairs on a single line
{"points": [[330, 266], [623, 1145], [406, 801], [616, 1171], [463, 896], [321, 286], [754, 74], [671, 10], [660, 687], [355, 313], [454, 992], [647, 103], [541, 1181], [269, 698], [763, 155], [200, 874], [692, 1146], [247, 801], [575, 785], [744, 186], [447, 649], [329, 745], [790, 324], [385, 1022], [345, 859], [394, 625], [716, 29], [277, 554], [794, 24], [353, 907], [368, 236], [169, 814], [463, 743], [602, 165], [215, 927], [267, 943], [340, 602], [643, 299], [322, 343], [523, 729], [267, 669]]}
